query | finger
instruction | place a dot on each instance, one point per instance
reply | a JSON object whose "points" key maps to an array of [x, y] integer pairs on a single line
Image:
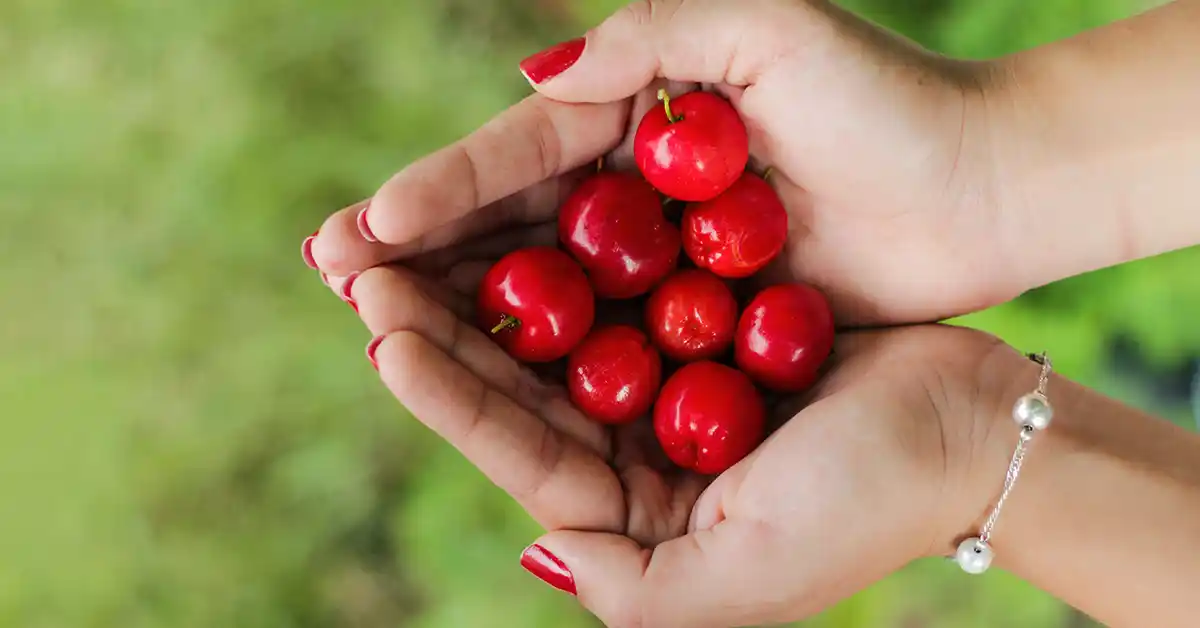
{"points": [[711, 578], [488, 247], [392, 299], [532, 141], [694, 40], [557, 481], [341, 248], [459, 303], [323, 249]]}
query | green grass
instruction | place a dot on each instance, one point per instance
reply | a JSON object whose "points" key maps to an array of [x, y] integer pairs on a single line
{"points": [[190, 433]]}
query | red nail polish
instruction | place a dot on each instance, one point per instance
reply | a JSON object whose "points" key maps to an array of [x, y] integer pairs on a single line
{"points": [[372, 347], [363, 227], [552, 61], [346, 293], [325, 279], [306, 251], [538, 561]]}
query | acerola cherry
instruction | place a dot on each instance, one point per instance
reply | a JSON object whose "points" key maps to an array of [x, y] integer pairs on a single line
{"points": [[692, 315], [693, 147], [614, 374], [784, 336], [708, 417], [737, 233], [613, 224], [536, 303]]}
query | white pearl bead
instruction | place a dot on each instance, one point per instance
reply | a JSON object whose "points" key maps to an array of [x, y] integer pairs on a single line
{"points": [[1033, 409], [974, 556]]}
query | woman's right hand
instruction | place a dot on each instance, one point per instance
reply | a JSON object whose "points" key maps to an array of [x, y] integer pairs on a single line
{"points": [[880, 151]]}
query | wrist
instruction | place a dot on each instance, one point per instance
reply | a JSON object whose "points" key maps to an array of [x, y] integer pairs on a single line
{"points": [[981, 442], [1095, 145], [1102, 499], [1046, 167]]}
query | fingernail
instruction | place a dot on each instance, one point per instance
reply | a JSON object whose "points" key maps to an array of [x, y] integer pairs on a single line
{"points": [[325, 279], [306, 251], [346, 295], [363, 227], [552, 61], [538, 561], [372, 347]]}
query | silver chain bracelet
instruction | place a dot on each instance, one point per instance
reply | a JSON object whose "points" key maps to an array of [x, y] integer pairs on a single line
{"points": [[1032, 414]]}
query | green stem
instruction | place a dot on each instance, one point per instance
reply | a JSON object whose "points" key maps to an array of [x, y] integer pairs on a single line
{"points": [[666, 101], [766, 175], [508, 322]]}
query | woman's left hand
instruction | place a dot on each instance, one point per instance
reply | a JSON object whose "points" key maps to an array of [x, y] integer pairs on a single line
{"points": [[859, 481]]}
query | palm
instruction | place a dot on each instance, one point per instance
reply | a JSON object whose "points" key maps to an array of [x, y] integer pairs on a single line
{"points": [[567, 471], [516, 422], [614, 478]]}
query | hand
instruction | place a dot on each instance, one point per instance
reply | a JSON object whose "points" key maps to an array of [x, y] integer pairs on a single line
{"points": [[872, 472], [880, 152]]}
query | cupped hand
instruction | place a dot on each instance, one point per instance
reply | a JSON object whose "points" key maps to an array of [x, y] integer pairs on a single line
{"points": [[880, 151], [861, 478]]}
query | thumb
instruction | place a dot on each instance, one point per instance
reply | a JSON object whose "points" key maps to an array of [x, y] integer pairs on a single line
{"points": [[711, 578], [702, 41]]}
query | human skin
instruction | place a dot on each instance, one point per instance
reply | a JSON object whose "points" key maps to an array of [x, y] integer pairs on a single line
{"points": [[921, 187], [984, 178], [896, 454]]}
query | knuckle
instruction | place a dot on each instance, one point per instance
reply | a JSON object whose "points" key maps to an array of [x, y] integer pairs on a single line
{"points": [[399, 348], [649, 12], [549, 146], [638, 13], [629, 616], [388, 300]]}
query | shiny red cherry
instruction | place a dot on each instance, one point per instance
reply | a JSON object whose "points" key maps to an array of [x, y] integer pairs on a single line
{"points": [[784, 336], [708, 417], [737, 233], [693, 147], [692, 315], [536, 303], [613, 224], [614, 374]]}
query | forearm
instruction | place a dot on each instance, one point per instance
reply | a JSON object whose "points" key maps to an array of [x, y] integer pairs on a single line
{"points": [[1106, 512], [1099, 161]]}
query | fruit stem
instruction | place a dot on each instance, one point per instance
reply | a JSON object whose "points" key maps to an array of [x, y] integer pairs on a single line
{"points": [[666, 101], [508, 322], [766, 175], [600, 164]]}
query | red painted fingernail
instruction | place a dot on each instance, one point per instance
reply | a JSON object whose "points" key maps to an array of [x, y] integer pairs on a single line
{"points": [[538, 561], [325, 279], [372, 347], [346, 295], [306, 251], [552, 61], [363, 227]]}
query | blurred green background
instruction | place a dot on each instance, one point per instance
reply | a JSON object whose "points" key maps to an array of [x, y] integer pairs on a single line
{"points": [[190, 435]]}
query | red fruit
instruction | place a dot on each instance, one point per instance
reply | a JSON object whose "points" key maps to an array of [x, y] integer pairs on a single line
{"points": [[613, 224], [536, 303], [784, 336], [737, 233], [693, 147], [692, 316], [614, 374], [708, 417]]}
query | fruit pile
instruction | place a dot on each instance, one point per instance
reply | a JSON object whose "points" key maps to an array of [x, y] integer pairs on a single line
{"points": [[620, 251]]}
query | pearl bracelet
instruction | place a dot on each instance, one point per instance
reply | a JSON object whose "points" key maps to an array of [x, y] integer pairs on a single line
{"points": [[1032, 413]]}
